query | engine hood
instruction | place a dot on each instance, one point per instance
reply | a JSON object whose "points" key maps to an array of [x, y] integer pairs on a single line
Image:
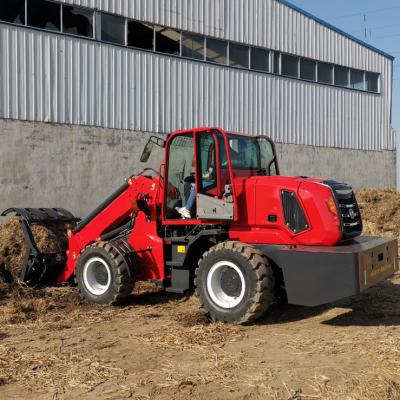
{"points": [[287, 210], [293, 182]]}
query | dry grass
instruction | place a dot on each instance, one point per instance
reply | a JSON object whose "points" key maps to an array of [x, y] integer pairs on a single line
{"points": [[191, 328], [23, 304], [195, 336], [51, 309], [53, 370], [379, 383]]}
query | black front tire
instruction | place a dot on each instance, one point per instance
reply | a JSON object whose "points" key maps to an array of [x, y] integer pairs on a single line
{"points": [[102, 275], [250, 267]]}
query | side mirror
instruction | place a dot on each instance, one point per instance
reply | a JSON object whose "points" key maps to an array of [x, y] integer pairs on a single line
{"points": [[154, 140], [146, 152]]}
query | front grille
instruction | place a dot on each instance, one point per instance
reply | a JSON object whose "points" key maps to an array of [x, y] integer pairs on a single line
{"points": [[295, 219], [350, 216]]}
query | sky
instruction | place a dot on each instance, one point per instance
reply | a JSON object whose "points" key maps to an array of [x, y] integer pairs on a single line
{"points": [[375, 22]]}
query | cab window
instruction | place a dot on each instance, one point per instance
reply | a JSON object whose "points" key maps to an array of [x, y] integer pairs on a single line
{"points": [[180, 174], [207, 162], [245, 152], [252, 155], [268, 160]]}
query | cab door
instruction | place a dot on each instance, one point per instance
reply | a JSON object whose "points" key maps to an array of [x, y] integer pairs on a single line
{"points": [[179, 175], [215, 199]]}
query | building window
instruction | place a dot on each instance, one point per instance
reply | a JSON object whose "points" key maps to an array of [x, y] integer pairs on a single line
{"points": [[44, 14], [85, 22], [372, 82], [308, 70], [112, 29], [140, 35], [217, 51], [277, 63], [167, 40], [290, 66], [341, 76], [325, 73], [12, 11], [357, 79], [193, 46], [78, 21], [238, 55], [259, 59]]}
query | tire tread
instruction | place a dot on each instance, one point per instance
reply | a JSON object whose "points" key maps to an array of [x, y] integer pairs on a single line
{"points": [[264, 291], [123, 283]]}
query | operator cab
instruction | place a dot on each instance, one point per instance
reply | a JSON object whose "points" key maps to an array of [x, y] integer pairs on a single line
{"points": [[206, 161]]}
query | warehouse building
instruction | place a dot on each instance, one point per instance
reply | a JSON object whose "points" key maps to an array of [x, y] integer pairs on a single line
{"points": [[83, 83]]}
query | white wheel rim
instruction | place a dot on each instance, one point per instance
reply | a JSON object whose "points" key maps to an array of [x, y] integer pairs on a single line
{"points": [[215, 289], [91, 270]]}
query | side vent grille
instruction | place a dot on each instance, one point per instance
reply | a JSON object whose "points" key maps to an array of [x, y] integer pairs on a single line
{"points": [[295, 219]]}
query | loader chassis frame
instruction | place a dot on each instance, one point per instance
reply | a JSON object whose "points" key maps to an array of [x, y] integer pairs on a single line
{"points": [[183, 252]]}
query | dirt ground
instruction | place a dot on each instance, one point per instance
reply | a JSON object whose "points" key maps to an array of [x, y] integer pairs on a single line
{"points": [[159, 346]]}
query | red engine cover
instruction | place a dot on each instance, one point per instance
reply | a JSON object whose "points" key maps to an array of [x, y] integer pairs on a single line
{"points": [[261, 215]]}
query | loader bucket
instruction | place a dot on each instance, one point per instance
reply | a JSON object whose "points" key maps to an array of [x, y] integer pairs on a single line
{"points": [[38, 267]]}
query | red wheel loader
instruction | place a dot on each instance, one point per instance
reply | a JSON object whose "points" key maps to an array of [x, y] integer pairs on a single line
{"points": [[252, 235]]}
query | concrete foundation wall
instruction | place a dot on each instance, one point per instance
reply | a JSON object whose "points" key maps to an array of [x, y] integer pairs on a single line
{"points": [[358, 168], [63, 165], [48, 165]]}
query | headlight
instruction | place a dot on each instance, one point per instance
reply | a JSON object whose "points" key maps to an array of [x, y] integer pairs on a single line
{"points": [[330, 203]]}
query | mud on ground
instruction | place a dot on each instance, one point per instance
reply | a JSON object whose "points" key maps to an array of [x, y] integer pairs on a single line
{"points": [[159, 346]]}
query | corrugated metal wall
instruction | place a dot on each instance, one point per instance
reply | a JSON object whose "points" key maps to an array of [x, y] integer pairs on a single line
{"points": [[51, 77], [266, 23]]}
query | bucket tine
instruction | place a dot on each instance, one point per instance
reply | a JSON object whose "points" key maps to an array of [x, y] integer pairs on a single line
{"points": [[42, 214], [30, 256]]}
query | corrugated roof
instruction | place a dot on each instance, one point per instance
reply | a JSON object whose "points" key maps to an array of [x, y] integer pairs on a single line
{"points": [[330, 26]]}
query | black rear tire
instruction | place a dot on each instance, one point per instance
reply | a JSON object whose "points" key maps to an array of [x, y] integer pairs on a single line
{"points": [[102, 275], [235, 283]]}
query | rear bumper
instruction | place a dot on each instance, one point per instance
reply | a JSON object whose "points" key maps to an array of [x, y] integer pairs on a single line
{"points": [[315, 275]]}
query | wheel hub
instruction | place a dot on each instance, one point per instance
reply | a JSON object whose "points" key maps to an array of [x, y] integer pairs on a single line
{"points": [[100, 274], [97, 276], [230, 282], [226, 284]]}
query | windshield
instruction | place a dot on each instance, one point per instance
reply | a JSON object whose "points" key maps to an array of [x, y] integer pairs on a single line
{"points": [[253, 154]]}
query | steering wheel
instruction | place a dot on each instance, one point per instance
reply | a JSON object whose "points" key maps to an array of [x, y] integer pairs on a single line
{"points": [[154, 172]]}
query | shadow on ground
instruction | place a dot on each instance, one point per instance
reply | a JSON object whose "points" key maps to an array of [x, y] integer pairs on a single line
{"points": [[154, 298], [377, 306]]}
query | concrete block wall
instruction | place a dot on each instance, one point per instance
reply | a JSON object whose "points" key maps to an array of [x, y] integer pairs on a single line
{"points": [[76, 167], [358, 168]]}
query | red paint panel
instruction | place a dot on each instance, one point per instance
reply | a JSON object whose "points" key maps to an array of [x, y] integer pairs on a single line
{"points": [[121, 208], [259, 197]]}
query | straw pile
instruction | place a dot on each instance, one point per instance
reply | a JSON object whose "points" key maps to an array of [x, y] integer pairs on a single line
{"points": [[49, 239], [380, 210]]}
